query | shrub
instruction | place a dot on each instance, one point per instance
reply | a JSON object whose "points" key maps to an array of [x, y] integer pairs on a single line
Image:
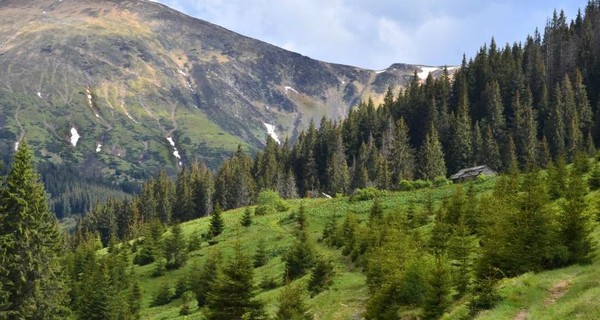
{"points": [[420, 184], [264, 210], [365, 194], [441, 181], [406, 185]]}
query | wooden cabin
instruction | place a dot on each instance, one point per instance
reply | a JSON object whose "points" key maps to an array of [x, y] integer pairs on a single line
{"points": [[472, 173]]}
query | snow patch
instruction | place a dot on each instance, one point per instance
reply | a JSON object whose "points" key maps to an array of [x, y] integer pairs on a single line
{"points": [[128, 115], [290, 89], [425, 71], [271, 132], [39, 94], [74, 136], [175, 151], [99, 148], [182, 73], [17, 146], [381, 71]]}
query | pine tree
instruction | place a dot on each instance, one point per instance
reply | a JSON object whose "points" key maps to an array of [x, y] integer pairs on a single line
{"points": [[431, 157], [31, 246], [203, 281], [261, 257], [438, 295], [246, 220], [291, 304], [216, 223], [575, 223], [321, 277], [301, 255], [135, 300], [175, 249], [232, 295], [403, 155]]}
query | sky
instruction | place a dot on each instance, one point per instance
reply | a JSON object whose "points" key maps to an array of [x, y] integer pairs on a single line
{"points": [[374, 34]]}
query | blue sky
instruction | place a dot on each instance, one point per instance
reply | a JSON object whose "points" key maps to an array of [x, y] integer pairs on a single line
{"points": [[376, 33]]}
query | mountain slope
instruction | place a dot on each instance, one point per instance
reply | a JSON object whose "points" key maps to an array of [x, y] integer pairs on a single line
{"points": [[143, 86]]}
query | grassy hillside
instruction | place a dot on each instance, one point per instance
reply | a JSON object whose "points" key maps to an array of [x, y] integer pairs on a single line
{"points": [[568, 293], [345, 300]]}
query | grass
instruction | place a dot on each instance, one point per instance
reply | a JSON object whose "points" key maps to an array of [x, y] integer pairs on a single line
{"points": [[345, 300], [530, 293]]}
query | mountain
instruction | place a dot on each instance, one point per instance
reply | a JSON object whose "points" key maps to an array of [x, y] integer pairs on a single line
{"points": [[122, 88]]}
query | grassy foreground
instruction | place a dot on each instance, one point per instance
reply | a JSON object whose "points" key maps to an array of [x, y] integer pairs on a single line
{"points": [[568, 293]]}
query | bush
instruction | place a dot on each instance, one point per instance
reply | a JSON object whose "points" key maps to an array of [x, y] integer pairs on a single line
{"points": [[406, 185], [365, 194], [264, 210], [269, 201], [420, 184], [188, 299], [441, 181]]}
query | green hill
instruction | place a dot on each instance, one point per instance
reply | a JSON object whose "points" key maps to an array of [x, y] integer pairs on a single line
{"points": [[557, 294]]}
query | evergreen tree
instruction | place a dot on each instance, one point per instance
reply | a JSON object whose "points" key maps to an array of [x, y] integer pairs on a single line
{"points": [[175, 249], [135, 300], [300, 256], [321, 277], [594, 178], [291, 304], [246, 220], [203, 281], [438, 295], [31, 246], [403, 155], [431, 157], [232, 295], [575, 224], [261, 257], [216, 223]]}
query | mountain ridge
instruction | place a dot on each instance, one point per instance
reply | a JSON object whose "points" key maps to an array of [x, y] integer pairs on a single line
{"points": [[139, 82]]}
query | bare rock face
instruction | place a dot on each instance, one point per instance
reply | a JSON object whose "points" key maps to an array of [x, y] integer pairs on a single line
{"points": [[155, 87]]}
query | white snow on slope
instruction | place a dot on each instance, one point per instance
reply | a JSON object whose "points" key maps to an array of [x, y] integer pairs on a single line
{"points": [[16, 145], [99, 147], [290, 88], [74, 136], [39, 94], [425, 71], [129, 116], [381, 71], [175, 151], [182, 73], [271, 132]]}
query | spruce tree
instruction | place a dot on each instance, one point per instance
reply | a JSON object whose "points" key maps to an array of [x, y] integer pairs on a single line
{"points": [[232, 295], [431, 157], [31, 246], [575, 223], [175, 249], [246, 220], [261, 257], [438, 295], [403, 155], [321, 277], [291, 304], [216, 223], [203, 280]]}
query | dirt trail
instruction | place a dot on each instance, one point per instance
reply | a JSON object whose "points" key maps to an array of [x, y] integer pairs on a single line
{"points": [[556, 292], [522, 315]]}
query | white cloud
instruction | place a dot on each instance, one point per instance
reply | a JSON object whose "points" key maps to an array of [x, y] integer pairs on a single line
{"points": [[375, 34]]}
